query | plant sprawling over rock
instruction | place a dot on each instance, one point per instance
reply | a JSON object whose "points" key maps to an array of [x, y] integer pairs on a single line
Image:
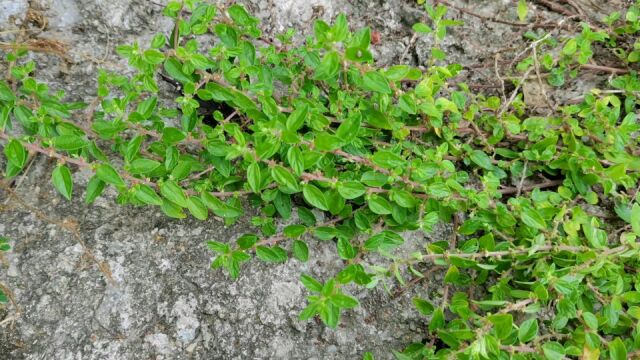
{"points": [[544, 203]]}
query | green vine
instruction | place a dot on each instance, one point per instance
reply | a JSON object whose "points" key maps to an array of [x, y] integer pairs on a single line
{"points": [[543, 260]]}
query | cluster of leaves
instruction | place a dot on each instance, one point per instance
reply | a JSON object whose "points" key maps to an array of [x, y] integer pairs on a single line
{"points": [[543, 262]]}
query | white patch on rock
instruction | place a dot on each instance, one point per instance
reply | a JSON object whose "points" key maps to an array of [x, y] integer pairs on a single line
{"points": [[15, 8], [161, 343], [292, 12], [187, 322], [285, 294], [63, 13]]}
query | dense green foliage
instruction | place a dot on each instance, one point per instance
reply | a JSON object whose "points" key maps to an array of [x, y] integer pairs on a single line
{"points": [[543, 262]]}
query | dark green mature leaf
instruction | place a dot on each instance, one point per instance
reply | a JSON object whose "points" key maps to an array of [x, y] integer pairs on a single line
{"points": [[62, 181], [502, 324], [315, 197], [95, 187], [273, 254], [528, 330], [297, 118], [6, 94], [16, 153], [197, 208], [173, 67], [553, 351], [481, 159], [387, 159], [174, 193], [143, 166], [532, 217], [351, 189], [147, 195], [345, 249], [108, 174], [348, 129], [379, 205], [69, 142], [424, 306], [254, 177], [285, 179], [300, 250]]}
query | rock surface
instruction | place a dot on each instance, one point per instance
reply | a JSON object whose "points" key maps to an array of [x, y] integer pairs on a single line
{"points": [[111, 282]]}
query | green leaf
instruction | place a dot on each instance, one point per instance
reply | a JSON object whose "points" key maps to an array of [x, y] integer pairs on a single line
{"points": [[553, 351], [146, 107], [481, 159], [296, 160], [239, 15], [174, 193], [528, 330], [147, 195], [254, 177], [522, 10], [388, 160], [617, 350], [15, 153], [350, 189], [61, 178], [345, 249], [344, 301], [635, 219], [315, 197], [437, 320], [143, 166], [171, 135], [327, 142], [197, 208], [297, 118], [502, 324], [421, 28], [273, 254], [285, 179], [173, 67], [374, 81], [300, 250], [531, 217], [294, 231], [69, 142], [348, 129], [452, 275], [153, 56], [6, 94], [379, 205], [108, 174], [309, 312], [340, 28], [95, 187], [329, 66], [330, 315], [426, 308], [218, 247], [310, 283]]}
